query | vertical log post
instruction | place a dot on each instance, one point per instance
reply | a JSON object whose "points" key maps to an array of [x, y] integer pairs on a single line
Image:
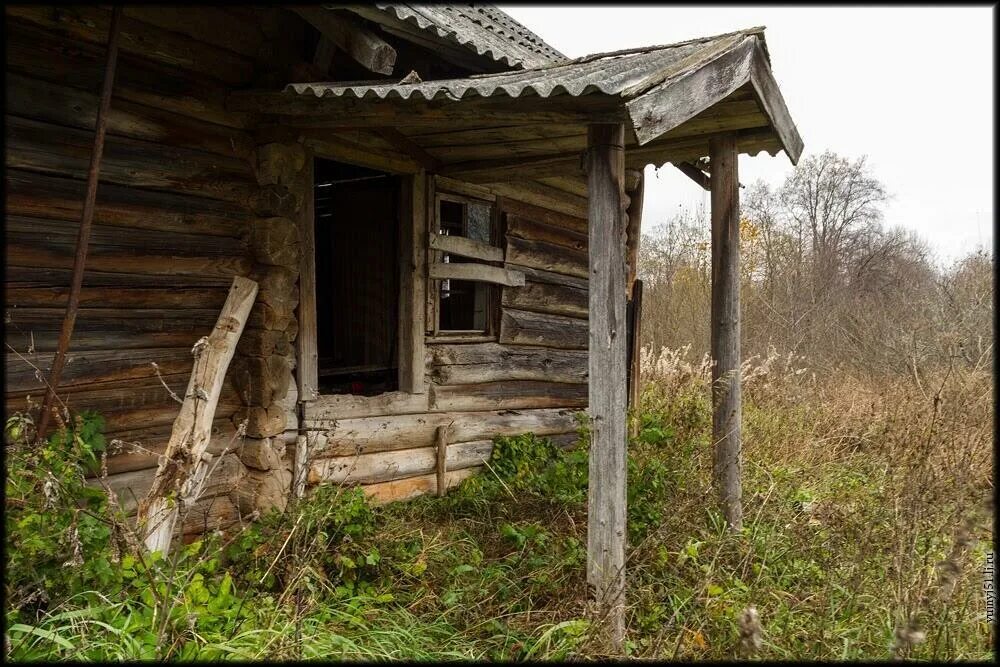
{"points": [[607, 390], [441, 440], [83, 236], [726, 392]]}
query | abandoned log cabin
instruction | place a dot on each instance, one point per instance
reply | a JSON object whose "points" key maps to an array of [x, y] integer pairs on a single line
{"points": [[440, 212]]}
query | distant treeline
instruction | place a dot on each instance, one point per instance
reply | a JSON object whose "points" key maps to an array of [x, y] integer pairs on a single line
{"points": [[823, 277]]}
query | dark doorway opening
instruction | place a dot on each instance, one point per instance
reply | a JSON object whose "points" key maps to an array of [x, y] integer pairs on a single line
{"points": [[357, 278]]}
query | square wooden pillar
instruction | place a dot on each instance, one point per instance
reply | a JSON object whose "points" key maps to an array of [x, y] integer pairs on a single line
{"points": [[726, 392], [606, 527]]}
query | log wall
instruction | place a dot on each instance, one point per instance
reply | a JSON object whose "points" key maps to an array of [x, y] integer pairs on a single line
{"points": [[192, 194], [181, 209]]}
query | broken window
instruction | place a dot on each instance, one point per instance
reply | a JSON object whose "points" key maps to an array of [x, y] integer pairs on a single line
{"points": [[465, 306]]}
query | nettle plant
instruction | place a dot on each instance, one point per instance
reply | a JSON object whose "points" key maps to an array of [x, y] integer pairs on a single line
{"points": [[58, 527]]}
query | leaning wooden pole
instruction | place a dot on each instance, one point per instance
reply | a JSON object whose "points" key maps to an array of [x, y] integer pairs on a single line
{"points": [[184, 467], [607, 388], [726, 390], [83, 236]]}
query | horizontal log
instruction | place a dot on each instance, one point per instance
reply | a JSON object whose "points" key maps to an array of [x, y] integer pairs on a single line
{"points": [[43, 196], [124, 261], [547, 256], [530, 230], [26, 277], [62, 151], [42, 54], [140, 39], [62, 105], [543, 196], [550, 277], [445, 184], [406, 489], [364, 435], [218, 512], [574, 185], [131, 486], [347, 406], [241, 34], [491, 362], [541, 297], [336, 147], [388, 466], [121, 297], [507, 395], [62, 233], [151, 442], [463, 247], [362, 45], [94, 367], [478, 272], [520, 327]]}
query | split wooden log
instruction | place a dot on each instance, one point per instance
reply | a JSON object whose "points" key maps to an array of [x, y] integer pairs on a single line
{"points": [[185, 465]]}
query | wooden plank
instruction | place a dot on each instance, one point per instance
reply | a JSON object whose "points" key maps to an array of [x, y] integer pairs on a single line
{"points": [[336, 147], [634, 348], [362, 45], [543, 196], [307, 348], [478, 272], [445, 184], [545, 215], [465, 247], [633, 233], [726, 390], [192, 429], [411, 148], [695, 174], [492, 362], [540, 297], [203, 23], [606, 496], [520, 327], [507, 395], [769, 96], [330, 407], [549, 277]]}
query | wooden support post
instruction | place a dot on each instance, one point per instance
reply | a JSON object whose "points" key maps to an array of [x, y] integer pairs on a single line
{"points": [[726, 392], [607, 388], [83, 236], [441, 440], [413, 282], [184, 466], [634, 346], [634, 228]]}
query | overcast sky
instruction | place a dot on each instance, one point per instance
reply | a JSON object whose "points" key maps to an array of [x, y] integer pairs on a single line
{"points": [[910, 87]]}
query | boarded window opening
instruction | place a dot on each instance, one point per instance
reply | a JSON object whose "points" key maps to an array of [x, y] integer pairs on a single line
{"points": [[465, 305], [357, 279]]}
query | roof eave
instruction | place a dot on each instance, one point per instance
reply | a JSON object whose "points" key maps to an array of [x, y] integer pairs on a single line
{"points": [[677, 100]]}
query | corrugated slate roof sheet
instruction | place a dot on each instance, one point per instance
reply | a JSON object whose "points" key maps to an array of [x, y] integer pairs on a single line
{"points": [[623, 73], [484, 29]]}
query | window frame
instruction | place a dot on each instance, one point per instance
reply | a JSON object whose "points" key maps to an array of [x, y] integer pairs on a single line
{"points": [[494, 293]]}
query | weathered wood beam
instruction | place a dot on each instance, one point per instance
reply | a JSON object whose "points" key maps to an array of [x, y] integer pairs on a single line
{"points": [[726, 390], [606, 515], [184, 468], [634, 227], [679, 99], [413, 284], [695, 174], [365, 47], [402, 142], [465, 247], [769, 97]]}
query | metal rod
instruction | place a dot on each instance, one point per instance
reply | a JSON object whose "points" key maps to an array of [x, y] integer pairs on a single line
{"points": [[83, 238]]}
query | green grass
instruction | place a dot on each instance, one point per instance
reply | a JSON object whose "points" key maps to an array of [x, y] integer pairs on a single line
{"points": [[846, 525]]}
